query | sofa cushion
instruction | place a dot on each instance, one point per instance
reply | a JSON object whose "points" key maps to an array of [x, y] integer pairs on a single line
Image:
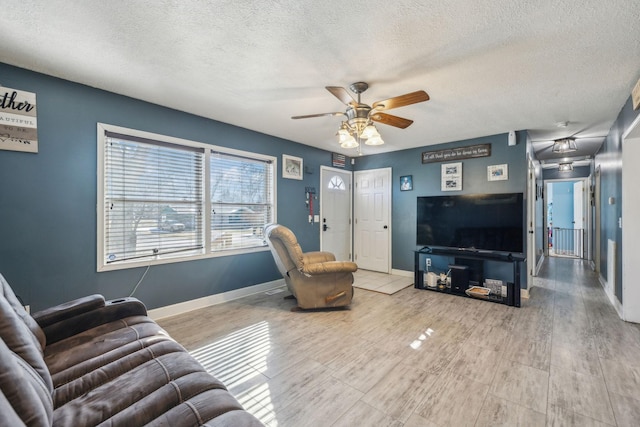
{"points": [[24, 398], [33, 326], [19, 338]]}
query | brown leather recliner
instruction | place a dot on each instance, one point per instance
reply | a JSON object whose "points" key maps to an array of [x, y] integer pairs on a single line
{"points": [[315, 279]]}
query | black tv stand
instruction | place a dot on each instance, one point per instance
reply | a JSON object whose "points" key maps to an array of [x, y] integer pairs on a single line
{"points": [[513, 288]]}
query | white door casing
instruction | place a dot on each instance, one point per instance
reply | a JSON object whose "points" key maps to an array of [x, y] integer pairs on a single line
{"points": [[335, 212], [373, 219]]}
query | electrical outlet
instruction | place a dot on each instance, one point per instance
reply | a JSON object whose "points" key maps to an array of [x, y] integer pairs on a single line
{"points": [[28, 308], [428, 262]]}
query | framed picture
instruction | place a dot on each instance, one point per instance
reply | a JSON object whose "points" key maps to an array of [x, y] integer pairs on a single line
{"points": [[498, 172], [291, 167], [406, 183], [451, 177]]}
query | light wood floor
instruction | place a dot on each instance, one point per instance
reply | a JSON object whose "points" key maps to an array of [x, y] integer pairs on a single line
{"points": [[419, 358]]}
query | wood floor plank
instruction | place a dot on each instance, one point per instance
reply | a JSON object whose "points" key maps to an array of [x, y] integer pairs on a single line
{"points": [[420, 358]]}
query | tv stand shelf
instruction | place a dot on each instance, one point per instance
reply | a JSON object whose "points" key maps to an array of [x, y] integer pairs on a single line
{"points": [[513, 288]]}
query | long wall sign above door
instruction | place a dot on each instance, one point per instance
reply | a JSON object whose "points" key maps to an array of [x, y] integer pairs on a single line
{"points": [[18, 121], [470, 152]]}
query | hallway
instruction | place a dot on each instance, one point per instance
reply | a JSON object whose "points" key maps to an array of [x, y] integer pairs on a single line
{"points": [[595, 356]]}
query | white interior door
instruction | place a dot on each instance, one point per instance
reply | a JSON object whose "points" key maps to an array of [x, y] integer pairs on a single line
{"points": [[373, 219], [630, 225], [335, 212]]}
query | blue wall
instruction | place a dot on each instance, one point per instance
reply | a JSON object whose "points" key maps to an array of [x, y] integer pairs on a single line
{"points": [[48, 200], [562, 204], [609, 160], [426, 182]]}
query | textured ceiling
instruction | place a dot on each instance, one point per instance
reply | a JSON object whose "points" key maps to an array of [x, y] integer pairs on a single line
{"points": [[489, 66]]}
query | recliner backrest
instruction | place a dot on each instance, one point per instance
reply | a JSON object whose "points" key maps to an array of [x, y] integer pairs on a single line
{"points": [[285, 248]]}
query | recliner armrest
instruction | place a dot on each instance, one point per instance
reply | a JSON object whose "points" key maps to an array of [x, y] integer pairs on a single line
{"points": [[316, 257], [75, 320], [330, 267], [68, 310]]}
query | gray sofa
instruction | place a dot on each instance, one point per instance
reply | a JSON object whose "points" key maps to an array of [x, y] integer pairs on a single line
{"points": [[91, 362]]}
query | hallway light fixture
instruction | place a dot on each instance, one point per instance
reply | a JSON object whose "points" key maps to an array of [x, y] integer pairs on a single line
{"points": [[565, 167], [564, 145]]}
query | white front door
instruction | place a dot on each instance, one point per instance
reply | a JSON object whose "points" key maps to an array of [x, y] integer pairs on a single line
{"points": [[373, 220], [335, 212]]}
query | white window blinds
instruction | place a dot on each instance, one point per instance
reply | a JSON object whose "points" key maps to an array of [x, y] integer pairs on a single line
{"points": [[153, 201], [242, 200]]}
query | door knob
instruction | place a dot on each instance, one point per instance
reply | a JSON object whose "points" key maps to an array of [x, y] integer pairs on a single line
{"points": [[324, 227]]}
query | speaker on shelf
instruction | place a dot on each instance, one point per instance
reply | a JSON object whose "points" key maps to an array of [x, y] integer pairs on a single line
{"points": [[459, 278]]}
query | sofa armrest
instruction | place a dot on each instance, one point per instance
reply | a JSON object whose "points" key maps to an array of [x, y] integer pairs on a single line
{"points": [[330, 267], [68, 310], [112, 310], [316, 257]]}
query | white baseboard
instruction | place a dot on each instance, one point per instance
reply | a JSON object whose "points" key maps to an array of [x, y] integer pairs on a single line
{"points": [[524, 293], [610, 293], [186, 306]]}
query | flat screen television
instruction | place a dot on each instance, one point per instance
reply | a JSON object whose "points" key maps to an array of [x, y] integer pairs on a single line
{"points": [[475, 222]]}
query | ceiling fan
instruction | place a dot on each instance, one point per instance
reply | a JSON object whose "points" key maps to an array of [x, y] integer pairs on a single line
{"points": [[360, 117]]}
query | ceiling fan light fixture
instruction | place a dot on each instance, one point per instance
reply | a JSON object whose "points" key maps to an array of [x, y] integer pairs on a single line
{"points": [[345, 139], [349, 142], [369, 131], [359, 127], [374, 140], [565, 167], [564, 145]]}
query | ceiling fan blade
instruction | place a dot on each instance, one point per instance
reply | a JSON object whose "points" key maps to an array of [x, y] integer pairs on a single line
{"points": [[342, 94], [401, 101], [390, 120], [308, 116]]}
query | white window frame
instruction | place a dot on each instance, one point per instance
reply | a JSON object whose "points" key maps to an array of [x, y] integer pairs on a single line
{"points": [[208, 148]]}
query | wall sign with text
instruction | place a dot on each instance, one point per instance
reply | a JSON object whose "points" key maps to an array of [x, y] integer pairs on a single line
{"points": [[470, 152], [18, 121]]}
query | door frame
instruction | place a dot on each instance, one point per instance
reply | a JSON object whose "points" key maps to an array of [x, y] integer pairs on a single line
{"points": [[328, 169], [598, 220], [389, 172], [585, 210], [531, 223]]}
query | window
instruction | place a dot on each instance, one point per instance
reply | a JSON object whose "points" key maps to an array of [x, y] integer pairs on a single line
{"points": [[153, 204], [336, 183]]}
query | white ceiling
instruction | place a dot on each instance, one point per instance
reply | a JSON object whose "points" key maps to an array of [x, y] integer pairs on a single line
{"points": [[489, 66]]}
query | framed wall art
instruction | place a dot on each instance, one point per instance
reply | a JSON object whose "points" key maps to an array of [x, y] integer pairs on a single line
{"points": [[406, 183], [498, 172], [291, 167], [451, 177]]}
